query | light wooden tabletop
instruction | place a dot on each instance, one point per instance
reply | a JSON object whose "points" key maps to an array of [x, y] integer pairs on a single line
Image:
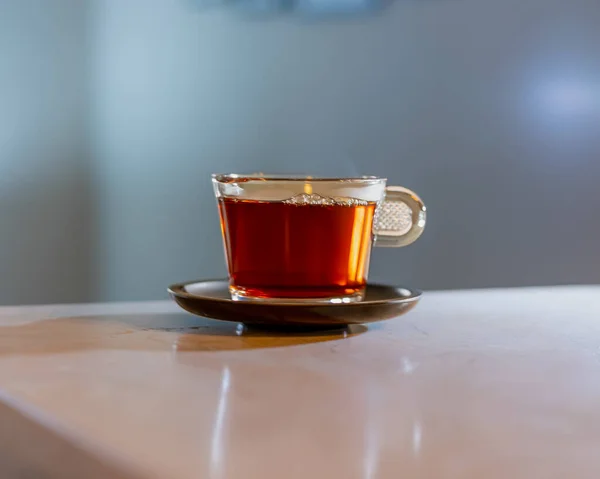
{"points": [[491, 384]]}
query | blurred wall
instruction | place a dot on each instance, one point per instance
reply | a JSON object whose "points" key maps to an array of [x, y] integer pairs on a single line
{"points": [[45, 211], [489, 109], [113, 114]]}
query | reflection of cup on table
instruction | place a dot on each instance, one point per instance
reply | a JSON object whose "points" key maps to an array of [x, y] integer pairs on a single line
{"points": [[266, 436], [306, 239]]}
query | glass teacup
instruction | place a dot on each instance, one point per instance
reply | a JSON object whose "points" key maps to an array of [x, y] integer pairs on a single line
{"points": [[302, 238]]}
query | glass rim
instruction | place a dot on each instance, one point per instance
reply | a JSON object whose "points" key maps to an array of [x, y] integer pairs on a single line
{"points": [[235, 177]]}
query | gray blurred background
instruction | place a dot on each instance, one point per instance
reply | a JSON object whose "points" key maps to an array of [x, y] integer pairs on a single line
{"points": [[113, 114]]}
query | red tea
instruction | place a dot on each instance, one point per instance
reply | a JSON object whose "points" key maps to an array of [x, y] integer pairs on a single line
{"points": [[282, 249]]}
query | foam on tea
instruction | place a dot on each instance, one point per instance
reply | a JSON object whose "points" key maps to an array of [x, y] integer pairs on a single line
{"points": [[314, 199]]}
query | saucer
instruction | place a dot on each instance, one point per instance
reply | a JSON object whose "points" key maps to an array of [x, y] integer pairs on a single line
{"points": [[211, 299]]}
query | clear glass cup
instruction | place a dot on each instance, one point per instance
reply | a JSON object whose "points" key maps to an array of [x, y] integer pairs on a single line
{"points": [[303, 238]]}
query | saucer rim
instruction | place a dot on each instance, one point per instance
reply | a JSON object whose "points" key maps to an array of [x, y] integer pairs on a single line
{"points": [[178, 290]]}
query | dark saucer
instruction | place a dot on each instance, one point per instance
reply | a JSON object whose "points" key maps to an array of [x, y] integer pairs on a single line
{"points": [[211, 299]]}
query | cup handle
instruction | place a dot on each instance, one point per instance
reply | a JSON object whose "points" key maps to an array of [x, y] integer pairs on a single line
{"points": [[399, 219]]}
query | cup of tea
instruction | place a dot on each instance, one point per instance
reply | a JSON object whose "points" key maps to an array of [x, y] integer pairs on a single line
{"points": [[304, 238]]}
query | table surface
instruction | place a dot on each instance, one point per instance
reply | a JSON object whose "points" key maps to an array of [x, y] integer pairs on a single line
{"points": [[471, 384]]}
